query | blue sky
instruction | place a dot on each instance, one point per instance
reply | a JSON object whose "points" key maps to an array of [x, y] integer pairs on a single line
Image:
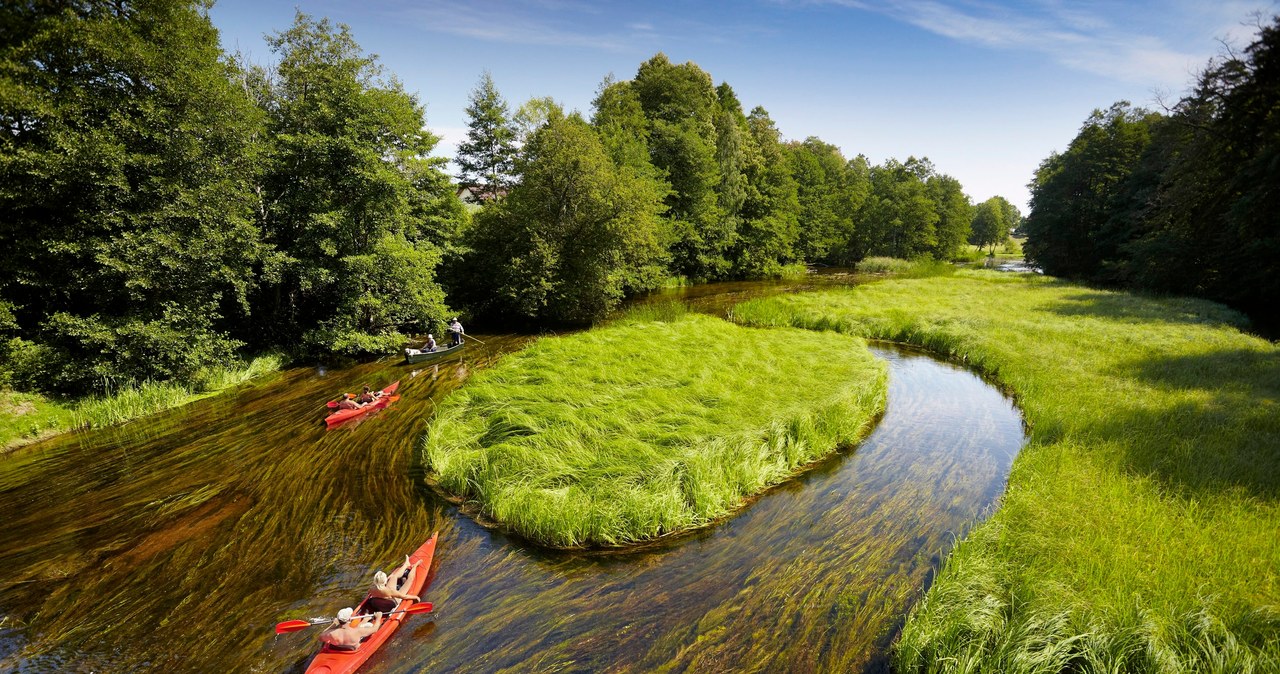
{"points": [[985, 88]]}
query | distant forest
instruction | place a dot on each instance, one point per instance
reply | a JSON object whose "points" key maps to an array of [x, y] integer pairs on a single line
{"points": [[167, 207], [1185, 202]]}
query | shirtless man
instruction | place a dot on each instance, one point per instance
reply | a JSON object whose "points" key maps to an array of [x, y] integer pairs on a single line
{"points": [[341, 634]]}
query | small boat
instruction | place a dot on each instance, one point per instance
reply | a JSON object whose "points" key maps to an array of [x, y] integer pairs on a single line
{"points": [[339, 661], [423, 356], [382, 401]]}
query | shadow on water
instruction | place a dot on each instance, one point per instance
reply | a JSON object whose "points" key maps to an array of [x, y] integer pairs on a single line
{"points": [[177, 542]]}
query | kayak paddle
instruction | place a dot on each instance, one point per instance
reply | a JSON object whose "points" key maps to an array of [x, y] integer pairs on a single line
{"points": [[296, 625]]}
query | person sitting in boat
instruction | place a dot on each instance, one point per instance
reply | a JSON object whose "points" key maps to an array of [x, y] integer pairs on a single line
{"points": [[455, 329], [348, 402], [385, 595], [367, 396], [343, 635], [426, 348]]}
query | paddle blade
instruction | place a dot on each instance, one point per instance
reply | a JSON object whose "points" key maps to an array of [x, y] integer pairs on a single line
{"points": [[424, 607], [331, 404], [292, 626]]}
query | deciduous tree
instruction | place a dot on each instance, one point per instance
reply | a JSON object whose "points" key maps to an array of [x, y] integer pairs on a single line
{"points": [[350, 199], [126, 162], [574, 235]]}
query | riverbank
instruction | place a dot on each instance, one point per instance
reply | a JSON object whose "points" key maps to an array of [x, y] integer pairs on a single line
{"points": [[1138, 529], [649, 426], [26, 418]]}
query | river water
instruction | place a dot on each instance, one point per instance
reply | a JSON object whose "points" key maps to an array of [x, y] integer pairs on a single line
{"points": [[175, 543]]}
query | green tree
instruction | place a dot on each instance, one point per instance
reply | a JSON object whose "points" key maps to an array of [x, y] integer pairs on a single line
{"points": [[990, 223], [1069, 229], [1209, 226], [900, 217], [769, 215], [487, 155], [126, 164], [532, 115], [955, 213], [575, 234], [681, 106], [831, 191], [352, 204]]}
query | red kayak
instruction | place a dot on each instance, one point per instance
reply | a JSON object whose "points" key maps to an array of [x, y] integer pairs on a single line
{"points": [[337, 661], [381, 402]]}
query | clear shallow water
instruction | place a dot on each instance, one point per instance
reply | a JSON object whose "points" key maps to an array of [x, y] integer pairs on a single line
{"points": [[177, 542]]}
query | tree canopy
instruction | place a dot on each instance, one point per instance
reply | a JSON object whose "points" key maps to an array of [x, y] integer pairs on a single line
{"points": [[170, 207], [1182, 202]]}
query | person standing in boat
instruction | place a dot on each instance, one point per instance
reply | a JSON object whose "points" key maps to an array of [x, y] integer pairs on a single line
{"points": [[385, 595], [341, 634], [455, 329]]}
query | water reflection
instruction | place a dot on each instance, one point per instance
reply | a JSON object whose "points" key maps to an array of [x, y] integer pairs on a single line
{"points": [[177, 542]]}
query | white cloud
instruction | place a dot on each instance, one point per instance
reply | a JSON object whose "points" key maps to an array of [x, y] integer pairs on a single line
{"points": [[512, 24], [1075, 37]]}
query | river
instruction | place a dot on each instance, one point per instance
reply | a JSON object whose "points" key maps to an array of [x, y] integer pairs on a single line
{"points": [[176, 542]]}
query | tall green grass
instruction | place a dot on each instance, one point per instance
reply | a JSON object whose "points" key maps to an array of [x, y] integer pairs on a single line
{"points": [[29, 417], [1140, 531], [138, 400], [648, 427]]}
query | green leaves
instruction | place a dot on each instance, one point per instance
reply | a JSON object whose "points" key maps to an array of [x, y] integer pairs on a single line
{"points": [[355, 209], [573, 235], [487, 156]]}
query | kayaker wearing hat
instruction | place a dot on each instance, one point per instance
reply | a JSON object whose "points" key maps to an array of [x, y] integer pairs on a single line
{"points": [[385, 595], [343, 635]]}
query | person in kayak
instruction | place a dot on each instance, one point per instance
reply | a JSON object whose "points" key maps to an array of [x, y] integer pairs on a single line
{"points": [[342, 635], [368, 396], [455, 329], [385, 595], [348, 402]]}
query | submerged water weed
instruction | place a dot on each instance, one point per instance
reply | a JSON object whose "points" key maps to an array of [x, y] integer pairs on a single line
{"points": [[1138, 529], [640, 429]]}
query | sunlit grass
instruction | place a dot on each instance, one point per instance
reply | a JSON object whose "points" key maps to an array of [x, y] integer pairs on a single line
{"points": [[25, 417], [1139, 529], [28, 417], [648, 427]]}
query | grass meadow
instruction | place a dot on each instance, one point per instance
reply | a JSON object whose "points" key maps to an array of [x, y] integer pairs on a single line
{"points": [[654, 424], [1140, 531]]}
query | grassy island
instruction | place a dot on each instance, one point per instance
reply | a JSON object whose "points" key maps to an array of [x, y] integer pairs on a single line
{"points": [[648, 427], [1139, 529]]}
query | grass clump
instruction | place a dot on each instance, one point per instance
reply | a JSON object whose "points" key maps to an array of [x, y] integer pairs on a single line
{"points": [[645, 428], [27, 417], [1138, 530]]}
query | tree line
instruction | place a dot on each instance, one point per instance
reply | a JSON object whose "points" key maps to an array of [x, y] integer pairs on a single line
{"points": [[166, 206], [1183, 201]]}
